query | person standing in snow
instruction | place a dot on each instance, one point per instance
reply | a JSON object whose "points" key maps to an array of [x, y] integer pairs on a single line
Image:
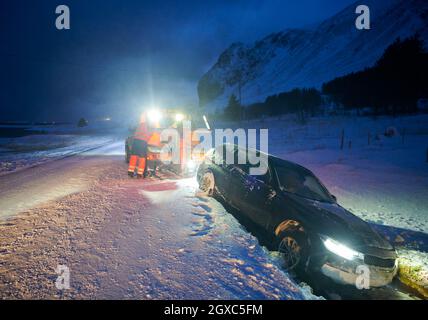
{"points": [[138, 159]]}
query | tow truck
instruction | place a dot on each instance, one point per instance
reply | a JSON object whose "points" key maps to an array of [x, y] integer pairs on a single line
{"points": [[161, 119]]}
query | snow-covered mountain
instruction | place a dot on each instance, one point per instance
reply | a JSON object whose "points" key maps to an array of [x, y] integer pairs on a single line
{"points": [[308, 57]]}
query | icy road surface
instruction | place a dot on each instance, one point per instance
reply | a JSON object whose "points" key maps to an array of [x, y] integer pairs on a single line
{"points": [[123, 238]]}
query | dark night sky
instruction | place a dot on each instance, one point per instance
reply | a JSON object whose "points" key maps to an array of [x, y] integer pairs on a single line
{"points": [[122, 55]]}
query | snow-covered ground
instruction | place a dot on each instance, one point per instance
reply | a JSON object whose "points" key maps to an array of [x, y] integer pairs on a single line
{"points": [[126, 238], [160, 239], [46, 143]]}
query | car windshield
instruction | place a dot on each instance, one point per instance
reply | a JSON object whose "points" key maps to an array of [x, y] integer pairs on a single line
{"points": [[301, 182]]}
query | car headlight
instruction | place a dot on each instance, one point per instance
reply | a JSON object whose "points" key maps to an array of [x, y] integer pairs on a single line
{"points": [[340, 249]]}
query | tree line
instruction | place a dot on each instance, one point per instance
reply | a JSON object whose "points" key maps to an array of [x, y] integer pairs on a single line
{"points": [[306, 101], [392, 86]]}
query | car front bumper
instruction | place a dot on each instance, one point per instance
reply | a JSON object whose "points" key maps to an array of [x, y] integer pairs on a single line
{"points": [[345, 272]]}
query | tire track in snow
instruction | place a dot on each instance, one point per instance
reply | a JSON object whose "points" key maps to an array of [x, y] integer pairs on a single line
{"points": [[204, 224]]}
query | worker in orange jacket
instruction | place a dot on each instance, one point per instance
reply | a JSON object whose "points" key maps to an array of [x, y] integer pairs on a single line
{"points": [[138, 159]]}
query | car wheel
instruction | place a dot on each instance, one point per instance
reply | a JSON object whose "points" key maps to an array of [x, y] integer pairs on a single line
{"points": [[207, 183], [293, 249]]}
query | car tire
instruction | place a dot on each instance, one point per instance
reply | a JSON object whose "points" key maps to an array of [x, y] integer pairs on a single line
{"points": [[293, 246], [207, 184]]}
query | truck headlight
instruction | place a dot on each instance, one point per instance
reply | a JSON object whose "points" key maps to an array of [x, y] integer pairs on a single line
{"points": [[340, 249], [191, 165], [153, 149], [154, 115], [179, 117]]}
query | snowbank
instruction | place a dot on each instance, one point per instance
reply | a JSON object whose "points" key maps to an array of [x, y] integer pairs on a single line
{"points": [[414, 270]]}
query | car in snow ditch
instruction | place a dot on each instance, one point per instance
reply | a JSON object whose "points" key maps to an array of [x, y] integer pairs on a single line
{"points": [[299, 218]]}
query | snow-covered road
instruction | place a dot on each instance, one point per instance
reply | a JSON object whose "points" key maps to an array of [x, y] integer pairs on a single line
{"points": [[157, 239], [124, 238]]}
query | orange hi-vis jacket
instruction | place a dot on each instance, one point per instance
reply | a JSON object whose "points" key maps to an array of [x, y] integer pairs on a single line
{"points": [[151, 137], [142, 132], [154, 139]]}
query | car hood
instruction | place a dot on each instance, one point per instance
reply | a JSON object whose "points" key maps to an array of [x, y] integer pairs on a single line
{"points": [[332, 220]]}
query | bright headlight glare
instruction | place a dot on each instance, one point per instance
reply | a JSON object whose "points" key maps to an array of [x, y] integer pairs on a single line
{"points": [[341, 250], [154, 115], [179, 117], [191, 164]]}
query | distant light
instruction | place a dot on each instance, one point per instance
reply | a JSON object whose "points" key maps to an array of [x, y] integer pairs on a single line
{"points": [[179, 117], [107, 119]]}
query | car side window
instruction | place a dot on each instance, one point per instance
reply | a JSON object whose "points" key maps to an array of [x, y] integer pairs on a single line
{"points": [[266, 178], [241, 155], [222, 153]]}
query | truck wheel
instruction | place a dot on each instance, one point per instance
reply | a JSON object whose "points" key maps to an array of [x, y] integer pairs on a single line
{"points": [[127, 154]]}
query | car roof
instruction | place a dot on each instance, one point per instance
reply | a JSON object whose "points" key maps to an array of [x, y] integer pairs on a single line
{"points": [[276, 161], [279, 161]]}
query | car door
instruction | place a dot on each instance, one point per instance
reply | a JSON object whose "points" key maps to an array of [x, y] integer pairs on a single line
{"points": [[257, 198], [250, 193], [236, 177], [223, 176]]}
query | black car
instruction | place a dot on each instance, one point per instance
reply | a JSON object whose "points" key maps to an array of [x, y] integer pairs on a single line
{"points": [[299, 217]]}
